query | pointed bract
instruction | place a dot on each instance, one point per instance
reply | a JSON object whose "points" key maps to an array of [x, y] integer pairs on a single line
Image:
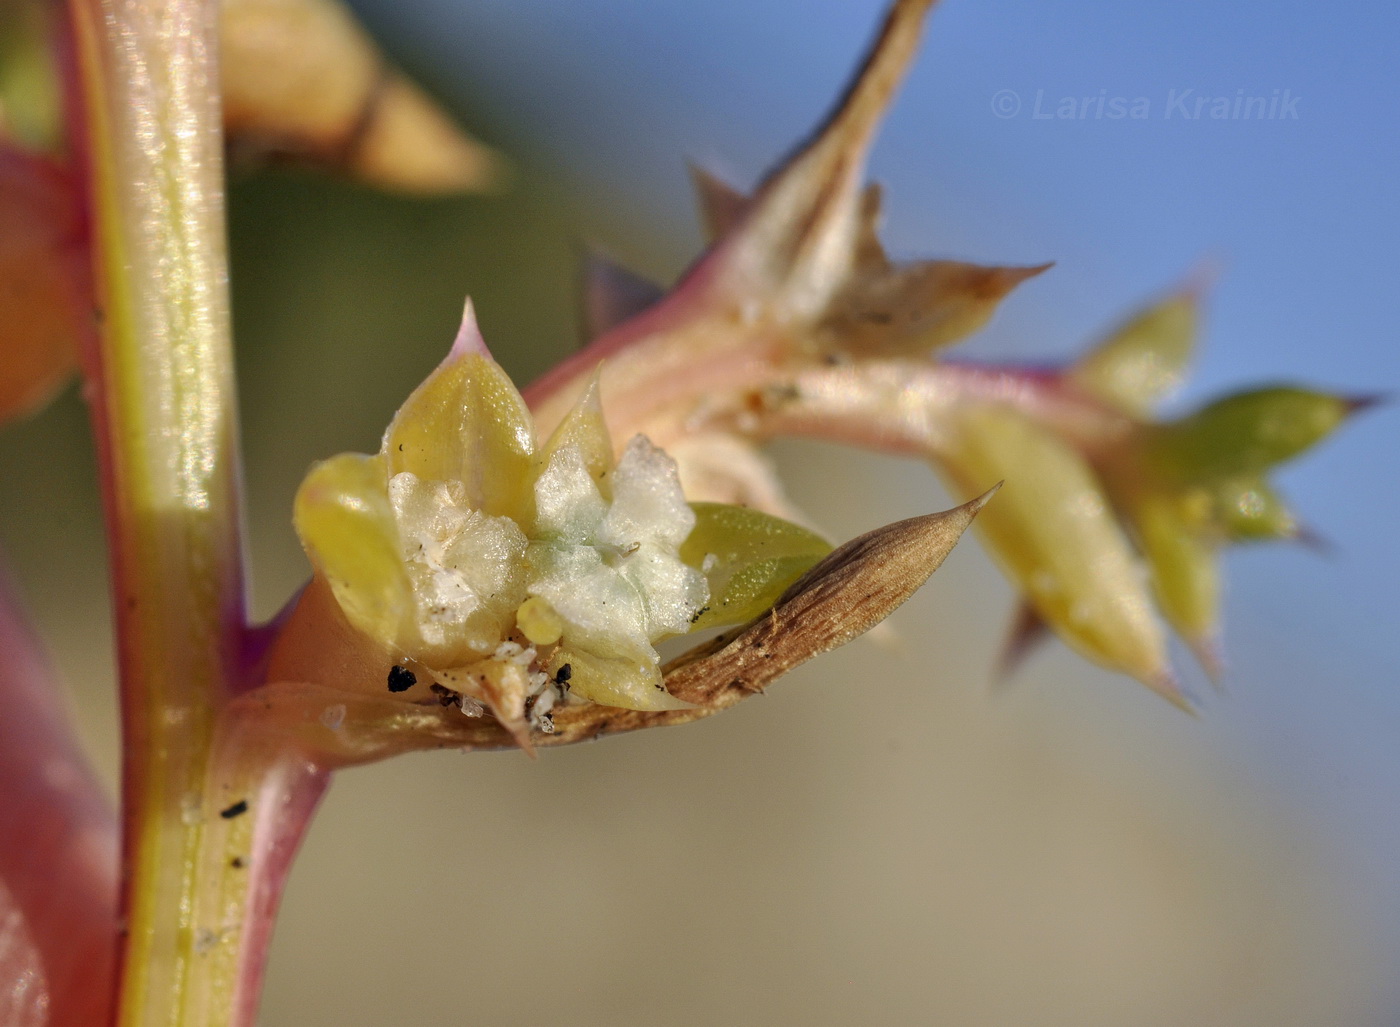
{"points": [[721, 205], [796, 244], [849, 591], [1250, 510], [914, 309], [1185, 575], [586, 430], [748, 558], [468, 340], [343, 516], [466, 423], [612, 294], [1247, 432], [1028, 632]]}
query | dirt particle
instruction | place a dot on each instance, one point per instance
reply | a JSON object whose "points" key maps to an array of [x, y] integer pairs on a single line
{"points": [[401, 679]]}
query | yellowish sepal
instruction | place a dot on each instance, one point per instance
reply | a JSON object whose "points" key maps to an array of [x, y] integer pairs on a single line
{"points": [[1249, 510], [467, 423], [1053, 530], [748, 558], [629, 684], [585, 428], [343, 517], [1184, 567]]}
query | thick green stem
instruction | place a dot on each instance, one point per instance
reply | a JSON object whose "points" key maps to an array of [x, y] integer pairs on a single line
{"points": [[161, 385]]}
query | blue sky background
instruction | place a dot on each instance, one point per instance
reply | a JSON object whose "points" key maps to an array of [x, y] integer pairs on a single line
{"points": [[1301, 214]]}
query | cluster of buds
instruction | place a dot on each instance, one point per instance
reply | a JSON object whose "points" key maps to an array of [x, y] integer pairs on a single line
{"points": [[1188, 487], [502, 572], [521, 556], [1118, 518], [497, 570]]}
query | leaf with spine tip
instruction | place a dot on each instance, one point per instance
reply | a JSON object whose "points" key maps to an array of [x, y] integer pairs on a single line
{"points": [[1144, 360], [806, 245], [748, 558], [303, 81], [467, 423], [1055, 533], [1248, 432]]}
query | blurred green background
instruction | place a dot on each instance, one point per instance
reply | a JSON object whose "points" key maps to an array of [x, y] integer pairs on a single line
{"points": [[880, 839]]}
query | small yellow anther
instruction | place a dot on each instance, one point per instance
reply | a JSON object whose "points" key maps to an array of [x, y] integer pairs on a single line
{"points": [[539, 622]]}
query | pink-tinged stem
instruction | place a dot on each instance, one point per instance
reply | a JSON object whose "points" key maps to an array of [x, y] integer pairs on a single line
{"points": [[904, 407], [199, 880], [693, 364], [58, 851]]}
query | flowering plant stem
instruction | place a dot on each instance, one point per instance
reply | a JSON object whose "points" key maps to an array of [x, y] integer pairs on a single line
{"points": [[227, 751], [144, 100]]}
